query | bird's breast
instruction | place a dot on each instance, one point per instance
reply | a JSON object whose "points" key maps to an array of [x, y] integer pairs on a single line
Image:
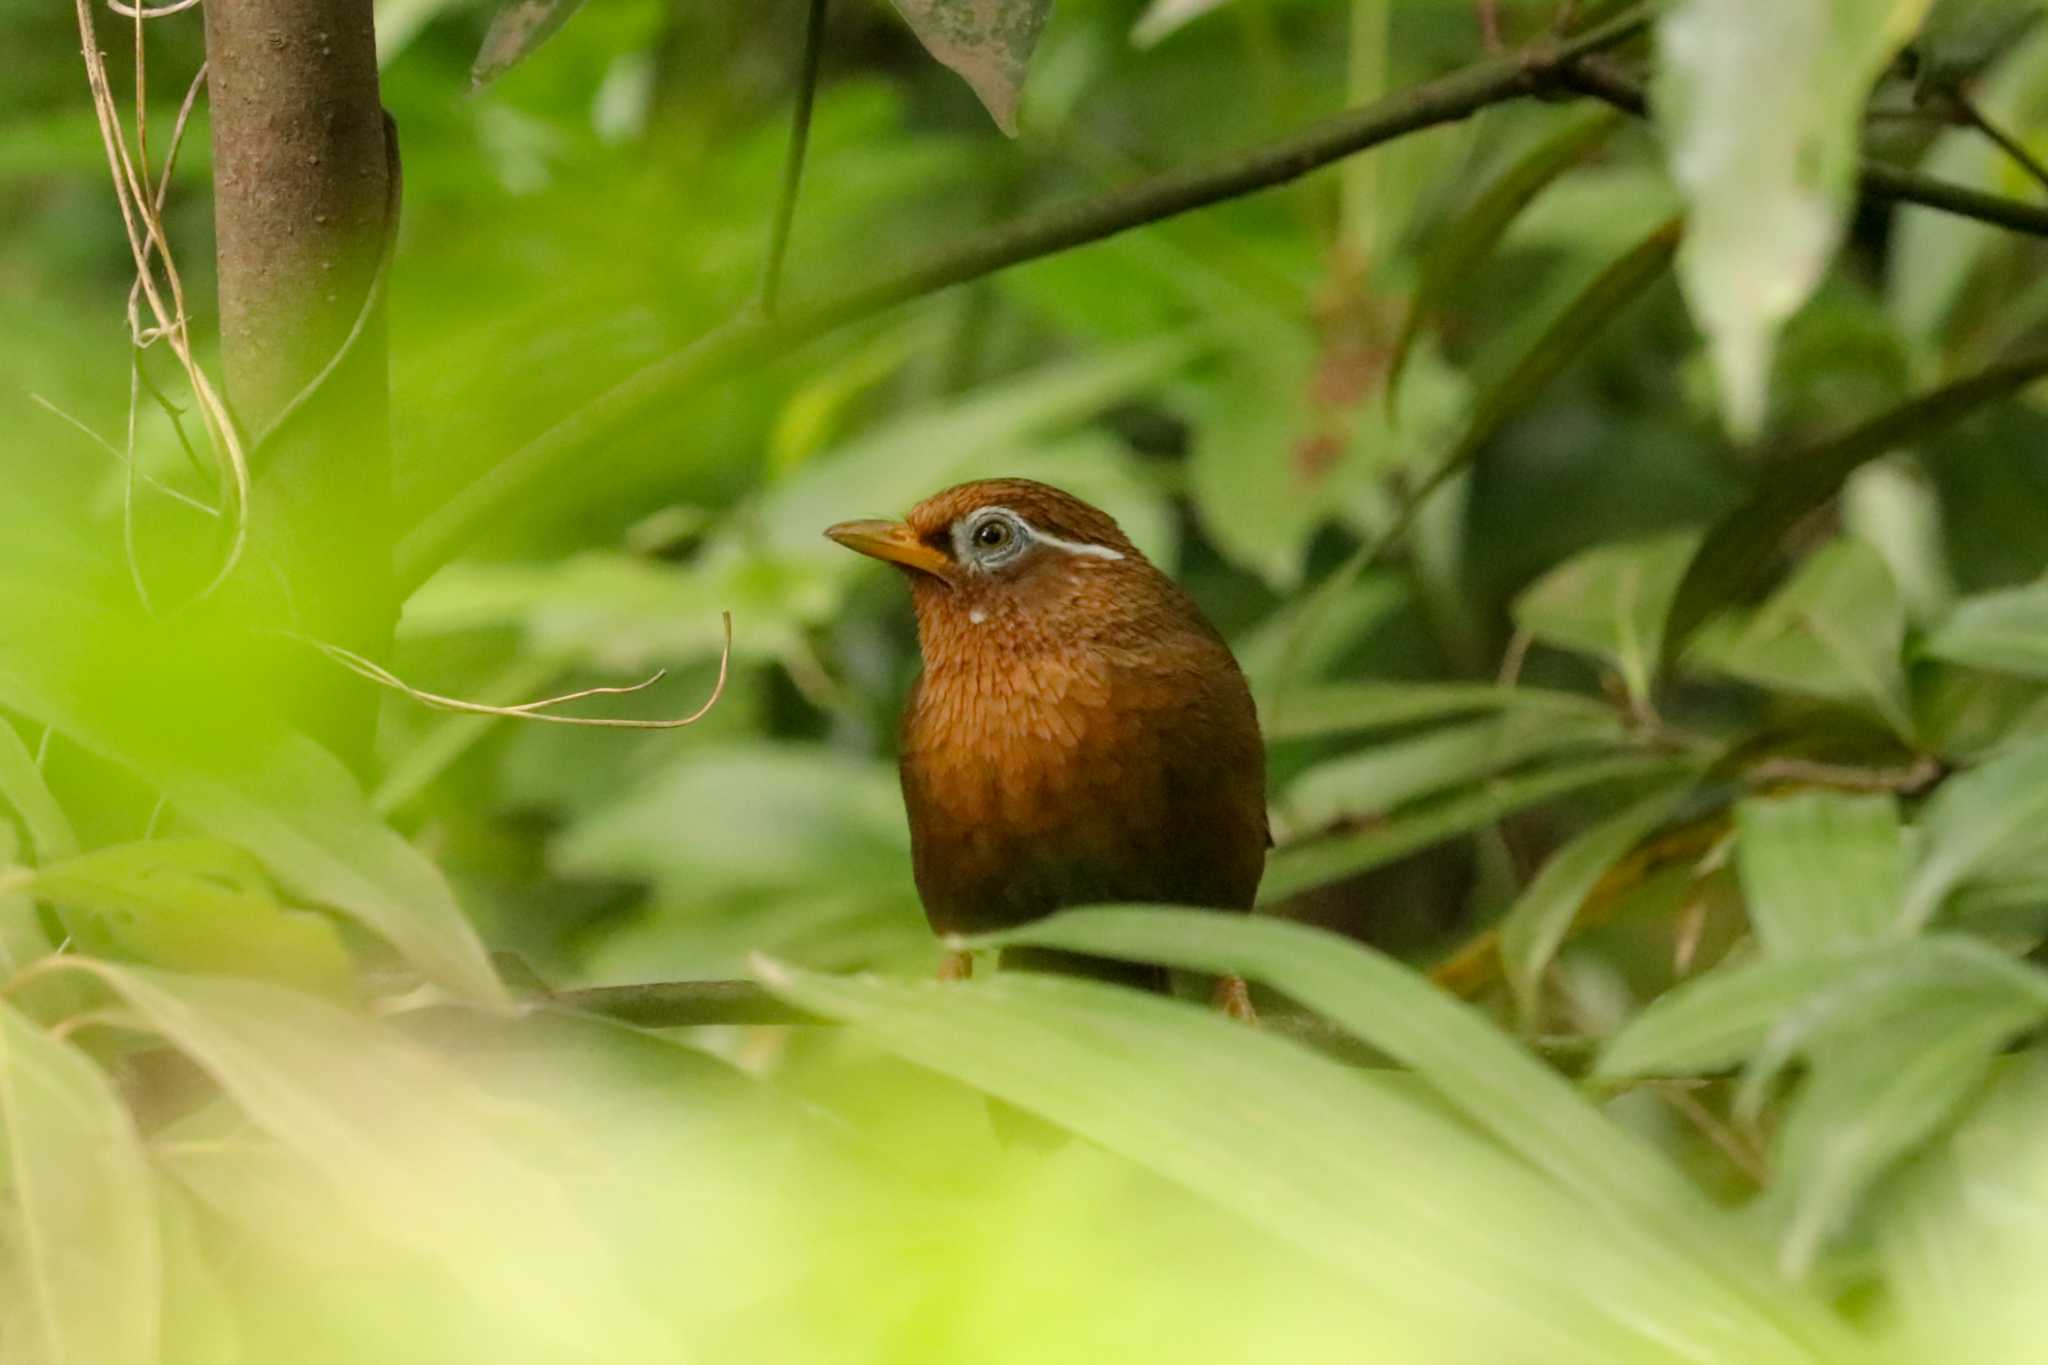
{"points": [[1037, 782]]}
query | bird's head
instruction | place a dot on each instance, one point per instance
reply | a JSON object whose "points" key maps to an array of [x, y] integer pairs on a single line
{"points": [[1015, 553]]}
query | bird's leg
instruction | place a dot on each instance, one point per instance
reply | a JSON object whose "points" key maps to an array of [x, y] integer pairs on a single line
{"points": [[1234, 998], [956, 967]]}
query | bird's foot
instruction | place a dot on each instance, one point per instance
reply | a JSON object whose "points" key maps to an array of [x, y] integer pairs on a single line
{"points": [[956, 967], [1234, 998]]}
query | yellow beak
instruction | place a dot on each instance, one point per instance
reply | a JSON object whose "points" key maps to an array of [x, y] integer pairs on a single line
{"points": [[892, 541]]}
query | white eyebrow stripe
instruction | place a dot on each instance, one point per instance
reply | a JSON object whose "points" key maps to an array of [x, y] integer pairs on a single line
{"points": [[1072, 547]]}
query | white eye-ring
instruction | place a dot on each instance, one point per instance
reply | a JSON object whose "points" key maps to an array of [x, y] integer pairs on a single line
{"points": [[994, 536]]}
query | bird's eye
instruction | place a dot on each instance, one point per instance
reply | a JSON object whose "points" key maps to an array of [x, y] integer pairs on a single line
{"points": [[993, 535]]}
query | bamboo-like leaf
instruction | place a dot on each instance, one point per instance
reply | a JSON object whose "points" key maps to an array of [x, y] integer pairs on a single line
{"points": [[1871, 1100], [1760, 104], [1379, 777], [1289, 1140], [407, 1140], [2003, 631], [1565, 340], [186, 904], [1298, 867], [515, 31], [1783, 1005], [1337, 708], [1820, 870], [1993, 813], [1610, 602], [22, 787], [1455, 250], [1535, 926], [82, 1281], [1164, 17], [1836, 629], [1495, 1084], [1739, 551], [988, 42]]}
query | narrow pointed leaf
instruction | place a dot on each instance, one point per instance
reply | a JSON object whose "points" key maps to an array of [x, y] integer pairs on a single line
{"points": [[22, 787], [1993, 813], [1457, 249], [1740, 550], [1336, 708], [1140, 1076], [1316, 862], [1536, 925], [1497, 1085], [1820, 870], [82, 1281]]}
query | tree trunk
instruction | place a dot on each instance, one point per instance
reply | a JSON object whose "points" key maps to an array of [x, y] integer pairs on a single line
{"points": [[304, 195]]}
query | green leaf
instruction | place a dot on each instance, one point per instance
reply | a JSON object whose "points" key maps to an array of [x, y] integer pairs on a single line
{"points": [[515, 31], [1728, 1015], [1820, 870], [1293, 1141], [1298, 867], [1611, 602], [1741, 549], [1378, 777], [1457, 249], [1337, 708], [1497, 1086], [1995, 814], [988, 42], [410, 1143], [2003, 631], [191, 905], [1872, 1099], [21, 786], [82, 1281], [297, 809], [1760, 104], [1565, 340], [1535, 926], [1836, 630], [1309, 637]]}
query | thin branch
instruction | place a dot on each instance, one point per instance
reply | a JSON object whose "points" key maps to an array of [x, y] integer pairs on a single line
{"points": [[793, 163], [752, 336], [2004, 141], [1603, 80]]}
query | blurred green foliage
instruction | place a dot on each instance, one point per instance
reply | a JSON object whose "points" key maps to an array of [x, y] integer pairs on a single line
{"points": [[1710, 772]]}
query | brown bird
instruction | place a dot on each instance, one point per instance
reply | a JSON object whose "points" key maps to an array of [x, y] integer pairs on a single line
{"points": [[1080, 733]]}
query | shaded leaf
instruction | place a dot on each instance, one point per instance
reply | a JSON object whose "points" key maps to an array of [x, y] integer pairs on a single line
{"points": [[1164, 17], [1760, 104], [1297, 867], [1536, 925], [1610, 602], [988, 42], [1728, 1015], [1739, 551], [1837, 629], [1996, 813], [1335, 708], [515, 31], [2005, 631], [82, 1283], [1457, 249], [1378, 777], [1820, 870]]}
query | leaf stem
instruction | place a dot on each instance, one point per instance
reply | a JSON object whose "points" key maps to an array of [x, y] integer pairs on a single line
{"points": [[793, 163]]}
